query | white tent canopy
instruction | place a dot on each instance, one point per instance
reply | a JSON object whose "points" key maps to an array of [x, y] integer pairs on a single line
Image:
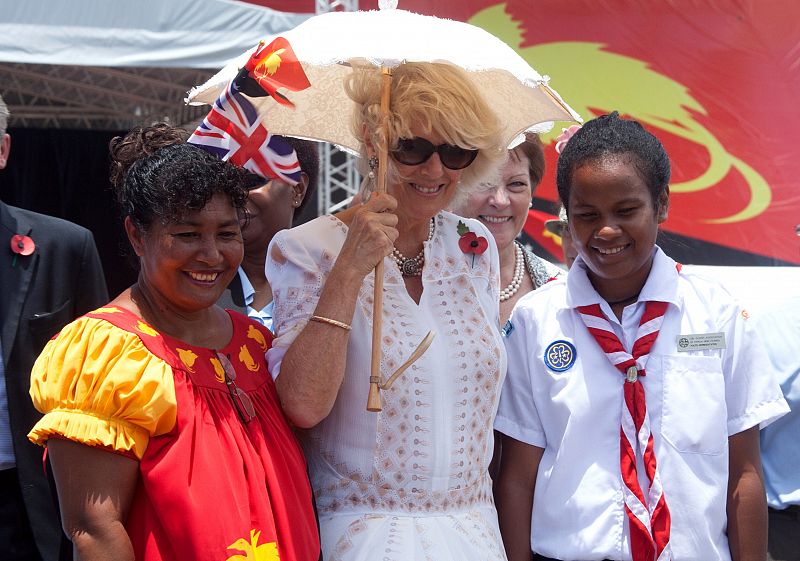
{"points": [[161, 33], [109, 64]]}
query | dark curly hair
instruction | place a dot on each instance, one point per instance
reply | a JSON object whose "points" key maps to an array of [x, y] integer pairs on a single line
{"points": [[140, 142], [157, 176], [611, 135]]}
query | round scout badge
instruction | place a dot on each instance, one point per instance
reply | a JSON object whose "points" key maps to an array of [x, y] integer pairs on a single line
{"points": [[560, 356]]}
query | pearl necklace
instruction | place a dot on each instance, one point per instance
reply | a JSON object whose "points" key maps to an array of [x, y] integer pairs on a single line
{"points": [[516, 280], [412, 266]]}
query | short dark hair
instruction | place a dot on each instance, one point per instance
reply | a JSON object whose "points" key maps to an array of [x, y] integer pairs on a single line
{"points": [[308, 156], [611, 135], [157, 176]]}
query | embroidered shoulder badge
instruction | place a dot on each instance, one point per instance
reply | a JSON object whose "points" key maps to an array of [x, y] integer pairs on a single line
{"points": [[560, 356]]}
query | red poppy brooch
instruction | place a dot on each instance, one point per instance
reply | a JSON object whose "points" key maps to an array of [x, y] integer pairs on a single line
{"points": [[21, 245], [470, 242]]}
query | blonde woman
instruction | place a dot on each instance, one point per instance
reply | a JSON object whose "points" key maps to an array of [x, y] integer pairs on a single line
{"points": [[411, 481]]}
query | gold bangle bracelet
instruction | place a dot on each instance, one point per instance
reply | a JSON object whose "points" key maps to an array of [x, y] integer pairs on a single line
{"points": [[330, 321]]}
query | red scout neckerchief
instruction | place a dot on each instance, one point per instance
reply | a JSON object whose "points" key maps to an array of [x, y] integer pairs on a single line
{"points": [[649, 520]]}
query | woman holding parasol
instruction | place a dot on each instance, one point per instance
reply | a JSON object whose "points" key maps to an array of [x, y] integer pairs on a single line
{"points": [[410, 481]]}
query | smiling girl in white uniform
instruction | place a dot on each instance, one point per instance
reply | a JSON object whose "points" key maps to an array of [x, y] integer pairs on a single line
{"points": [[635, 389]]}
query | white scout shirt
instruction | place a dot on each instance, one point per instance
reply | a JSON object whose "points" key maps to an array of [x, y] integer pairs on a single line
{"points": [[696, 398]]}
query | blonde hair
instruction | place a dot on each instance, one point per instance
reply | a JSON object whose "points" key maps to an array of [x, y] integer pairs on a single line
{"points": [[433, 97], [4, 114]]}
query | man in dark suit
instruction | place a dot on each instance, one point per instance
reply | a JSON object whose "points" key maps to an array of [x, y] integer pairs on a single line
{"points": [[40, 292]]}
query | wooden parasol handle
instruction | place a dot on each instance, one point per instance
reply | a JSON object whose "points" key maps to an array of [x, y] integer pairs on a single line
{"points": [[374, 398], [418, 352]]}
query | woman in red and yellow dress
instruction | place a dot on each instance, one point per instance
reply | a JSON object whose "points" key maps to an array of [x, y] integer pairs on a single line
{"points": [[161, 420]]}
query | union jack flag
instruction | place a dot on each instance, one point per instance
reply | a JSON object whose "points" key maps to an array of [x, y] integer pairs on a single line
{"points": [[233, 132]]}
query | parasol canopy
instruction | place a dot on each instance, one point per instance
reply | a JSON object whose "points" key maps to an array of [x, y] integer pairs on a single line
{"points": [[303, 72], [329, 45]]}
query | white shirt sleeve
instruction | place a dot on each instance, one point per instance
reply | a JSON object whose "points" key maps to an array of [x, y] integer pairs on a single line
{"points": [[752, 394], [296, 272], [517, 416]]}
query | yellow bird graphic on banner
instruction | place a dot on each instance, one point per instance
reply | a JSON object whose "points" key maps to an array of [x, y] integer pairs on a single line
{"points": [[668, 106]]}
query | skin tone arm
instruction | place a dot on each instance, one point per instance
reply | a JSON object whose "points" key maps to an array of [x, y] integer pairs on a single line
{"points": [[513, 496], [494, 464], [95, 491], [313, 367], [747, 503]]}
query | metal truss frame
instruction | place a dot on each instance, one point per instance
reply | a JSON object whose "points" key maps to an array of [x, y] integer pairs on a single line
{"points": [[86, 97], [118, 99]]}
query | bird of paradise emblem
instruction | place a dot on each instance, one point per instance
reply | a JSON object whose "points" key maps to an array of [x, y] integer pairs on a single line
{"points": [[188, 358], [668, 105], [276, 66], [106, 310], [269, 65], [254, 334], [219, 370], [247, 359], [253, 551], [146, 329]]}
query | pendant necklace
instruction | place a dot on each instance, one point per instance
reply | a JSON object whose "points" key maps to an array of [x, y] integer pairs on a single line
{"points": [[412, 266]]}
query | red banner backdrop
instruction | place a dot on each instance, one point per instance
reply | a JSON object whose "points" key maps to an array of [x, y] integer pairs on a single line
{"points": [[717, 82]]}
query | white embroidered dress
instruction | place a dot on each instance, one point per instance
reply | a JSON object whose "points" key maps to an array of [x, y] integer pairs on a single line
{"points": [[409, 482]]}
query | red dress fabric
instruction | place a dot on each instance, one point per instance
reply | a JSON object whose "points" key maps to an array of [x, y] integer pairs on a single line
{"points": [[215, 488]]}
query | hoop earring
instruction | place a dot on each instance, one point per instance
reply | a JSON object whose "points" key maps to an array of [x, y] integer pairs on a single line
{"points": [[368, 183]]}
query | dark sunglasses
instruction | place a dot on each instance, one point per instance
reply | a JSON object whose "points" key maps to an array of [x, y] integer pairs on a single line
{"points": [[415, 151], [241, 401]]}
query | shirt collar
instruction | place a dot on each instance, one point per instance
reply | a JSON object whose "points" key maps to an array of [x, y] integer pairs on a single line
{"points": [[661, 284], [248, 292]]}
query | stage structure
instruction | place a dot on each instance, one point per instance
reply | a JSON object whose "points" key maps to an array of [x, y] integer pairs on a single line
{"points": [[338, 177]]}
